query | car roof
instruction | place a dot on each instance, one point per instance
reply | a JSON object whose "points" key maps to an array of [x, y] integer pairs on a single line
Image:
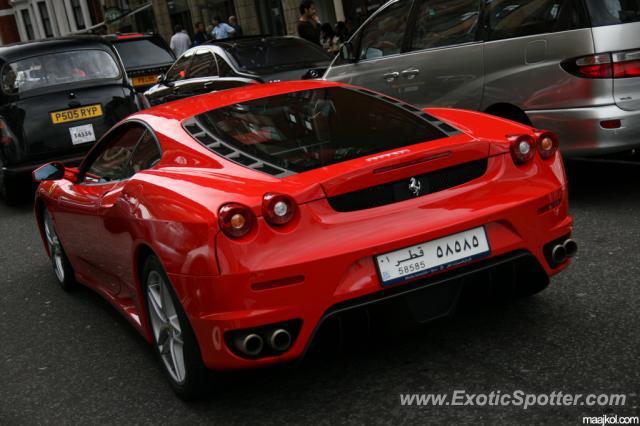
{"points": [[248, 40], [19, 50], [123, 37], [190, 107]]}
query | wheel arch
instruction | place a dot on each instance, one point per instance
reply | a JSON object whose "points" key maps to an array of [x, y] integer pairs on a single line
{"points": [[141, 253], [509, 111]]}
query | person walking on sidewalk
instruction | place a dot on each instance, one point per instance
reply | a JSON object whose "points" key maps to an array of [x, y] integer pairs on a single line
{"points": [[309, 23], [180, 41]]}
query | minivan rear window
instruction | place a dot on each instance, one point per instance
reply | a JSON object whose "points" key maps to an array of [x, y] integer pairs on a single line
{"points": [[142, 52], [309, 129], [57, 69], [613, 12]]}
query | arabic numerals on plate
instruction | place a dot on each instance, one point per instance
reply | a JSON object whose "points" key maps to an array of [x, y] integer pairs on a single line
{"points": [[411, 267]]}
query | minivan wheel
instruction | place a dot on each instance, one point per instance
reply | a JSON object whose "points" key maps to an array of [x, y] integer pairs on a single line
{"points": [[512, 113], [174, 342]]}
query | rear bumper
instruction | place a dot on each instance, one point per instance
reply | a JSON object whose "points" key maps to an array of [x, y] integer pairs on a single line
{"points": [[580, 131], [327, 264]]}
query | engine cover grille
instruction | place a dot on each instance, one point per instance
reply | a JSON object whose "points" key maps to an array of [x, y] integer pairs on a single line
{"points": [[408, 188]]}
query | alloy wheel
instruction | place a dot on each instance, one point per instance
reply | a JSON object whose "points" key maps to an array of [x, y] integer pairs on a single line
{"points": [[165, 323], [55, 248]]}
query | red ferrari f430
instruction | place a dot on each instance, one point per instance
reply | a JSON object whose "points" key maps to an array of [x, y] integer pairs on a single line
{"points": [[228, 228]]}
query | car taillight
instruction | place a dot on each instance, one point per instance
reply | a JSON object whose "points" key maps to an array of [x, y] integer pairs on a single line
{"points": [[548, 144], [626, 64], [236, 220], [523, 148], [6, 135], [606, 65], [278, 209]]}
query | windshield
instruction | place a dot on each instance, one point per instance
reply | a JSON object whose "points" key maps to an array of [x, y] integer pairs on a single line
{"points": [[57, 69], [305, 130], [613, 12], [267, 54], [137, 53]]}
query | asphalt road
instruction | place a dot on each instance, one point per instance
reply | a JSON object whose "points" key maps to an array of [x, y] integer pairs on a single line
{"points": [[71, 358]]}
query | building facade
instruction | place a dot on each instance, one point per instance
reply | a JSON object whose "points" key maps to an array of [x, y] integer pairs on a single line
{"points": [[35, 19]]}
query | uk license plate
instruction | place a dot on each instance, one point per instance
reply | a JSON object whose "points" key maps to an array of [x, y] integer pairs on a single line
{"points": [[76, 114], [144, 80], [433, 256]]}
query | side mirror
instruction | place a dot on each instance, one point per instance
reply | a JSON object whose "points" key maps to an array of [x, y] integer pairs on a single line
{"points": [[50, 171], [347, 53]]}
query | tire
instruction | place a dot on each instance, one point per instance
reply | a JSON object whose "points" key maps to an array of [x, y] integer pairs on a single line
{"points": [[512, 114], [174, 342], [59, 261]]}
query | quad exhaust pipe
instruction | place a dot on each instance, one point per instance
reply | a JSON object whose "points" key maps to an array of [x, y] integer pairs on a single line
{"points": [[566, 250], [250, 344], [253, 344], [280, 340]]}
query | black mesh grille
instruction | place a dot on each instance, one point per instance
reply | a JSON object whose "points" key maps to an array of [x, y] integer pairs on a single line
{"points": [[394, 192]]}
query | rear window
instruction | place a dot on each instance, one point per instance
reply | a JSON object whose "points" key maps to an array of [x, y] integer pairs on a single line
{"points": [[269, 55], [143, 52], [305, 130], [613, 12], [58, 69]]}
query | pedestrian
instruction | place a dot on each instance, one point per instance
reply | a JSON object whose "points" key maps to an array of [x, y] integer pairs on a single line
{"points": [[341, 31], [309, 23], [328, 39], [201, 34], [180, 41], [233, 21], [221, 30]]}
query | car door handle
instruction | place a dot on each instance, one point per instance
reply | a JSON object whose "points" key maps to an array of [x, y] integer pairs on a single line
{"points": [[390, 77], [410, 73]]}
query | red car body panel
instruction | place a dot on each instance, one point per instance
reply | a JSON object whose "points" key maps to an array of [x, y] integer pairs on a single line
{"points": [[324, 257]]}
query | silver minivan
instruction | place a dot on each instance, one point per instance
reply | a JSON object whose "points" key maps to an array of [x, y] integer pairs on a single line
{"points": [[571, 66]]}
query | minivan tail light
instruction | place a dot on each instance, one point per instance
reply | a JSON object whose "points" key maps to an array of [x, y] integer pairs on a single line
{"points": [[278, 209], [606, 65], [523, 148], [236, 220]]}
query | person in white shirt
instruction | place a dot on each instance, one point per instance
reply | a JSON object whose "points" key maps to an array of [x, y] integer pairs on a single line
{"points": [[221, 30], [180, 41]]}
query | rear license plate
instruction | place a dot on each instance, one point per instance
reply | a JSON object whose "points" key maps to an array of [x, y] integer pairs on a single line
{"points": [[433, 256], [76, 114], [144, 80], [82, 134]]}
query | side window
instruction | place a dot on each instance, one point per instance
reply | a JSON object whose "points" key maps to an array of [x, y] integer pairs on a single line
{"points": [[519, 18], [444, 23], [147, 154], [113, 160], [202, 65], [384, 34], [224, 68], [178, 71]]}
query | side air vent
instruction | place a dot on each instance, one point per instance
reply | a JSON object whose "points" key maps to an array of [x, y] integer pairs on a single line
{"points": [[227, 151]]}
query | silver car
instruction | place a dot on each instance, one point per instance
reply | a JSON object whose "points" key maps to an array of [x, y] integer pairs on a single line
{"points": [[572, 66]]}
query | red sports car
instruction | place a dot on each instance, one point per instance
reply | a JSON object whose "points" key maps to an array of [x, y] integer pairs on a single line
{"points": [[228, 228]]}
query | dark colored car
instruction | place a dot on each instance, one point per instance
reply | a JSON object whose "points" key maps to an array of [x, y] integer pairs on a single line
{"points": [[230, 63], [145, 56], [57, 97]]}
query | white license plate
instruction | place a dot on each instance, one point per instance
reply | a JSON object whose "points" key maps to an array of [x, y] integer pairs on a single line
{"points": [[82, 134], [433, 256]]}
